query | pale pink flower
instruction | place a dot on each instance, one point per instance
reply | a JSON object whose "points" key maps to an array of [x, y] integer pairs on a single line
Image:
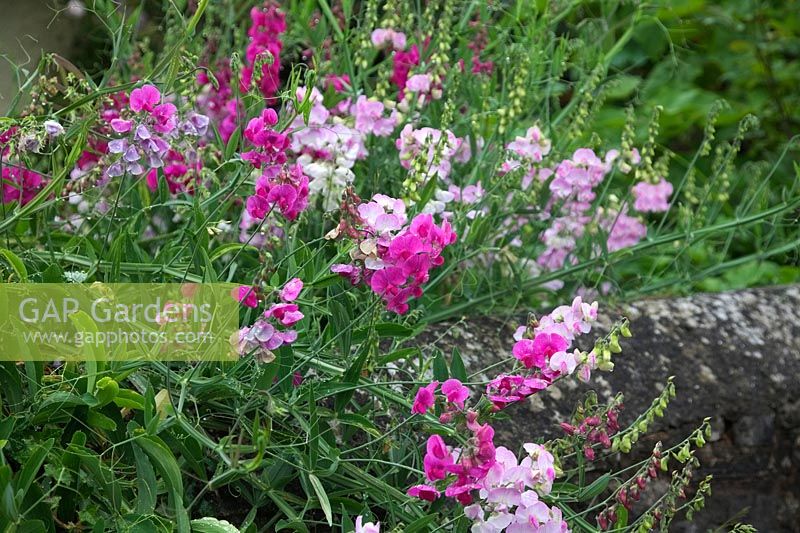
{"points": [[291, 290], [369, 527], [652, 198]]}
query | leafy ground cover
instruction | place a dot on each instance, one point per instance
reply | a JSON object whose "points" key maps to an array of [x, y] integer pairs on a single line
{"points": [[360, 170]]}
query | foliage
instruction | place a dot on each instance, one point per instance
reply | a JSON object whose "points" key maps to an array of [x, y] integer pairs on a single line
{"points": [[359, 186]]}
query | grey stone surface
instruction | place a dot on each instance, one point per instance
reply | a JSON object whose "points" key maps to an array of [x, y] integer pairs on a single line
{"points": [[735, 357]]}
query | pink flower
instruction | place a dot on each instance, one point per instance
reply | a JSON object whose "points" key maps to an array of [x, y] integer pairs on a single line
{"points": [[419, 83], [438, 459], [532, 147], [369, 527], [424, 492], [286, 314], [623, 231], [286, 188], [164, 115], [20, 184], [425, 398], [247, 296], [369, 117], [349, 271], [144, 98], [455, 392], [386, 36], [565, 363], [505, 390], [537, 352], [121, 126], [291, 290], [652, 198]]}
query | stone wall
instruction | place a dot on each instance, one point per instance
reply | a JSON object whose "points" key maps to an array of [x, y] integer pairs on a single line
{"points": [[735, 358]]}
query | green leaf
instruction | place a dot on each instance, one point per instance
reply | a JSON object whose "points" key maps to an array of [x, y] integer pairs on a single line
{"points": [[440, 372], [402, 353], [595, 489], [233, 247], [32, 465], [322, 496], [212, 525], [146, 485], [164, 461], [351, 376], [16, 264], [457, 368]]}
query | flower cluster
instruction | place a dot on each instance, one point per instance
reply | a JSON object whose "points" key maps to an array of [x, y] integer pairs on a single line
{"points": [[434, 149], [272, 330], [597, 428], [498, 491], [402, 63], [279, 185], [327, 148], [270, 145], [509, 494], [392, 256], [146, 137], [264, 50], [284, 187]]}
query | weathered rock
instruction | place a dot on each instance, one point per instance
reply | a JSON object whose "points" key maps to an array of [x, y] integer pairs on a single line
{"points": [[735, 358]]}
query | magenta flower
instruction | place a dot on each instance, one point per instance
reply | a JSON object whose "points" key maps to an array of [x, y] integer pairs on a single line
{"points": [[424, 492], [247, 296], [286, 188], [20, 184], [536, 352], [144, 98], [291, 290], [455, 392], [438, 459], [505, 390], [286, 314], [425, 398]]}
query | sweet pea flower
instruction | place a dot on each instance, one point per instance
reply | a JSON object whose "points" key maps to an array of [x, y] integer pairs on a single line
{"points": [[505, 390], [652, 198], [455, 392], [424, 492], [144, 98], [425, 398], [536, 352], [623, 231], [291, 290], [286, 314], [419, 83], [438, 459], [247, 296], [565, 363], [386, 36], [53, 128], [369, 527]]}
